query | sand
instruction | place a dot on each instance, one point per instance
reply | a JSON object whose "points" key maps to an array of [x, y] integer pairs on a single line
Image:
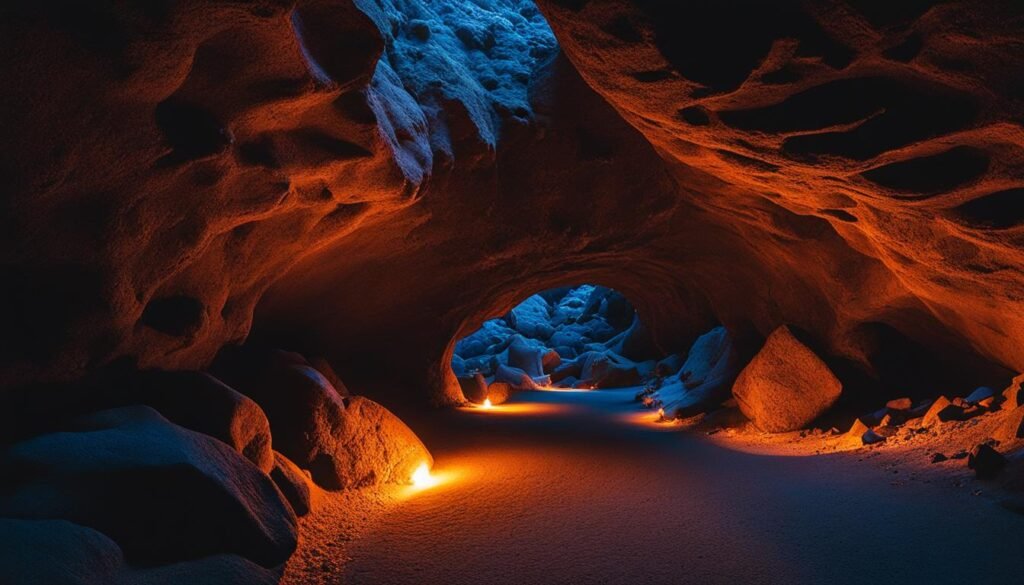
{"points": [[583, 487]]}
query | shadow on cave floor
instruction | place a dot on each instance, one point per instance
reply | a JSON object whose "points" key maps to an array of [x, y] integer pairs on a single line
{"points": [[584, 487]]}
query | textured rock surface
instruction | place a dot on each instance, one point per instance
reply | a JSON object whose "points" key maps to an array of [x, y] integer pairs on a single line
{"points": [[383, 175], [705, 378], [785, 386], [292, 482], [161, 492], [343, 441], [59, 552], [202, 403]]}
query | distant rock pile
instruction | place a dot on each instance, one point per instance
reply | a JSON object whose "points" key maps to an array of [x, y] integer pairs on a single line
{"points": [[576, 337]]}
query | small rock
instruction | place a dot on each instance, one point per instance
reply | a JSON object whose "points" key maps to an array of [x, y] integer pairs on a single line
{"points": [[959, 455], [920, 409], [942, 410], [498, 392], [899, 404], [551, 360], [979, 394], [938, 458], [986, 461], [474, 387], [871, 437]]}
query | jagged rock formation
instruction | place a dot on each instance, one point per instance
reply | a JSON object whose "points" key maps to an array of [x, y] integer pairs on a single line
{"points": [[396, 171]]}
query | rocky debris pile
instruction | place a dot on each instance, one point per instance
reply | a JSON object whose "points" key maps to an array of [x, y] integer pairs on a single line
{"points": [[701, 382], [784, 387], [579, 337]]}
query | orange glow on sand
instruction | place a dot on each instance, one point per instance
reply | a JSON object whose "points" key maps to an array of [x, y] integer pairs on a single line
{"points": [[557, 389], [421, 478], [515, 409]]}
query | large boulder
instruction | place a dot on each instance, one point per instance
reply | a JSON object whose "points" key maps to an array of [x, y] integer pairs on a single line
{"points": [[519, 379], [202, 403], [320, 430], [377, 446], [526, 357], [704, 379], [532, 318], [162, 492], [58, 552], [785, 386]]}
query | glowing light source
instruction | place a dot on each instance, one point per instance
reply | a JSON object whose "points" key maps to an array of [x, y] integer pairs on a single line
{"points": [[487, 403], [661, 414], [421, 478]]}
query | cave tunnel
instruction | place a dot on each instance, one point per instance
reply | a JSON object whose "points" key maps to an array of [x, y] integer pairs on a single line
{"points": [[512, 291]]}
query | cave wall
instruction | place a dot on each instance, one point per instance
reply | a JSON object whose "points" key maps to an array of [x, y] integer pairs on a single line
{"points": [[380, 176]]}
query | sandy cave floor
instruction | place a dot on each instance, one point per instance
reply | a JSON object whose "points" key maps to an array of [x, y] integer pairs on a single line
{"points": [[584, 487]]}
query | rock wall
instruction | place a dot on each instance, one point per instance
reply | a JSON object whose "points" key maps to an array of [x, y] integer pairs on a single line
{"points": [[380, 176]]}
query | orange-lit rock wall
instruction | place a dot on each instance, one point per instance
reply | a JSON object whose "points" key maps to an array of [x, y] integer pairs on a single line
{"points": [[339, 170]]}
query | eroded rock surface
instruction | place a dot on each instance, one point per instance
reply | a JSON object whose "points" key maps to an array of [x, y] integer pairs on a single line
{"points": [[785, 386], [344, 442], [161, 492]]}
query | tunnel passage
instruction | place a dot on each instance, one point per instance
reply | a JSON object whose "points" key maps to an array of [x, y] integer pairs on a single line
{"points": [[582, 337]]}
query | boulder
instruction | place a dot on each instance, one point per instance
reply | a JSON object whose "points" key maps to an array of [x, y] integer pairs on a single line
{"points": [[292, 482], [979, 394], [526, 357], [202, 403], [162, 492], [318, 429], [474, 387], [324, 367], [899, 404], [609, 370], [854, 437], [945, 410], [550, 361], [499, 392], [871, 437], [986, 461], [704, 379], [785, 386], [519, 379], [375, 447], [58, 552], [532, 318]]}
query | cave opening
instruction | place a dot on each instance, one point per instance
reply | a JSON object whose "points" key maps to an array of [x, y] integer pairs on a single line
{"points": [[572, 337], [278, 307]]}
